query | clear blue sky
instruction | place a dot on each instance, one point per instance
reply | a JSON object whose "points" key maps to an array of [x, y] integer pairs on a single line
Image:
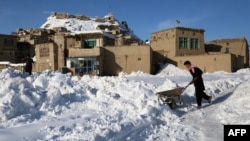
{"points": [[219, 18]]}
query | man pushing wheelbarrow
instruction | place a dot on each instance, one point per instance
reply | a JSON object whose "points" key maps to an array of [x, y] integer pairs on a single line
{"points": [[169, 96]]}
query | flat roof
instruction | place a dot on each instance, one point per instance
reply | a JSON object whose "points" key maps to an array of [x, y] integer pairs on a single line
{"points": [[181, 28], [228, 40]]}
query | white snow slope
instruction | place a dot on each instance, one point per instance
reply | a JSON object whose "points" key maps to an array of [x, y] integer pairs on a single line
{"points": [[52, 106]]}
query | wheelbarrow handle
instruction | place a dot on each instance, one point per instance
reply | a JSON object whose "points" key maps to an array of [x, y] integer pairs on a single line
{"points": [[186, 86]]}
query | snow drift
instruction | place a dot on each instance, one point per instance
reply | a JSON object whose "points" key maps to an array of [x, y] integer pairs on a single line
{"points": [[55, 106]]}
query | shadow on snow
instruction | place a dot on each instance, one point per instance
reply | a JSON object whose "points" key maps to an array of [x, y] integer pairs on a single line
{"points": [[190, 101]]}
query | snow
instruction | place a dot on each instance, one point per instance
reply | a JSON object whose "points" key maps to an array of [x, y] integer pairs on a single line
{"points": [[77, 26], [72, 24], [11, 64], [50, 106]]}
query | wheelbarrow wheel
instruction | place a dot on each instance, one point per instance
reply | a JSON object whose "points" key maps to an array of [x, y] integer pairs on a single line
{"points": [[171, 102]]}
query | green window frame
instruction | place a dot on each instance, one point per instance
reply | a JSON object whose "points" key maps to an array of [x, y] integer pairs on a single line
{"points": [[194, 43], [183, 43], [90, 43]]}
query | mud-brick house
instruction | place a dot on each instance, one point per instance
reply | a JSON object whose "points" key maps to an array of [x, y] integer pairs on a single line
{"points": [[85, 54], [8, 48], [100, 46], [106, 46], [237, 46], [175, 45], [12, 52]]}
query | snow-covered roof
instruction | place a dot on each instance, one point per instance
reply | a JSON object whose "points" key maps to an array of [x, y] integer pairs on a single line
{"points": [[84, 26]]}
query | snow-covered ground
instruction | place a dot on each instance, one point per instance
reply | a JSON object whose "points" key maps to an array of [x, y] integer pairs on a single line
{"points": [[50, 106]]}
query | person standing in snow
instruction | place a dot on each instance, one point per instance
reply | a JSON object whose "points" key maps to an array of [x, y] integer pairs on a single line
{"points": [[28, 64], [198, 83]]}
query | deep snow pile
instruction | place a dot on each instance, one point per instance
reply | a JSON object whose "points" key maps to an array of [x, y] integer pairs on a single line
{"points": [[54, 106], [231, 110], [171, 70]]}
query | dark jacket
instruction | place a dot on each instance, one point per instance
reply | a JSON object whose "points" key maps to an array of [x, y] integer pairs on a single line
{"points": [[196, 72]]}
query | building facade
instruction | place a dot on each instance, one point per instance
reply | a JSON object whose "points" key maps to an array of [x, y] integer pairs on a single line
{"points": [[178, 41], [127, 59], [211, 63], [105, 46], [86, 52], [175, 45], [236, 46], [8, 48]]}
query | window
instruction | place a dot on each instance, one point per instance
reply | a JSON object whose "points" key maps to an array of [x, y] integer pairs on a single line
{"points": [[90, 43], [183, 42], [194, 43], [83, 65], [5, 42]]}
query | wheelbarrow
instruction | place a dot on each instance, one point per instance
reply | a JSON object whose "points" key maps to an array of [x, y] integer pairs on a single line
{"points": [[170, 96]]}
